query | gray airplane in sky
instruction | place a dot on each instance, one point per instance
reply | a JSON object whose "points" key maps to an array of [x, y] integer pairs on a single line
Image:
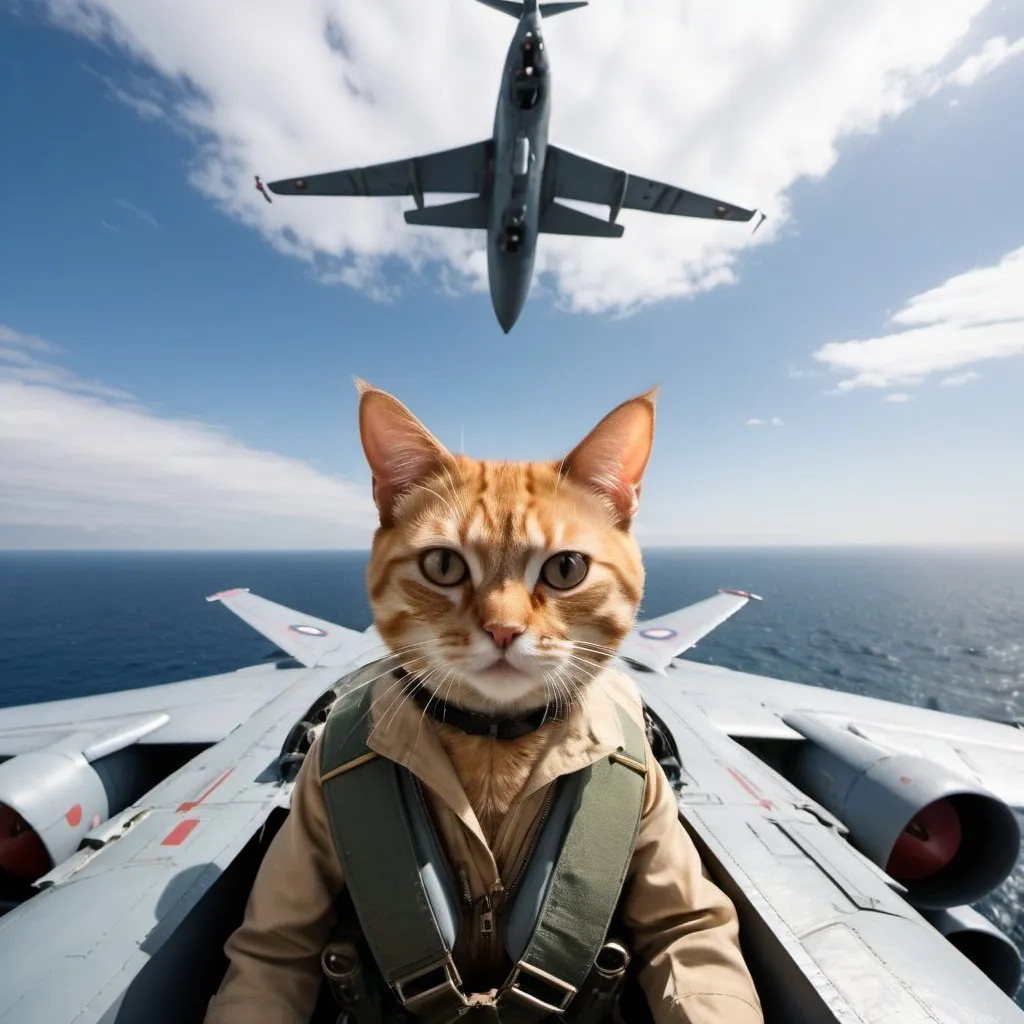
{"points": [[515, 176], [851, 833]]}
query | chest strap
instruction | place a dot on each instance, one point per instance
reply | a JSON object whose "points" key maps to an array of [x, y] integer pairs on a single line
{"points": [[393, 871]]}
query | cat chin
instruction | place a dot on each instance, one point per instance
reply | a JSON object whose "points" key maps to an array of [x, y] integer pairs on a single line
{"points": [[497, 692]]}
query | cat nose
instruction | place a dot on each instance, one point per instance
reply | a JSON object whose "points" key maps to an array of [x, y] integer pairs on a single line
{"points": [[503, 635]]}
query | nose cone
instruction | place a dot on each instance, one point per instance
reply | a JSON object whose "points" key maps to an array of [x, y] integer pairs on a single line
{"points": [[508, 298]]}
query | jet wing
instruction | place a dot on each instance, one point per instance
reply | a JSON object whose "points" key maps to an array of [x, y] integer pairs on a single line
{"points": [[653, 643], [200, 710], [758, 707], [461, 170], [572, 176], [312, 641]]}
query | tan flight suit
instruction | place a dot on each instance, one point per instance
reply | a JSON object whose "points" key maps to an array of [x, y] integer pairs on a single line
{"points": [[683, 928]]}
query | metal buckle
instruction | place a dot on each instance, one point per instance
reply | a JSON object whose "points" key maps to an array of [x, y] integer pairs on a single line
{"points": [[441, 978], [562, 991]]}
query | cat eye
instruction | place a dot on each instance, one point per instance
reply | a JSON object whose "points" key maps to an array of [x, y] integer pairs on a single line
{"points": [[443, 566], [565, 570]]}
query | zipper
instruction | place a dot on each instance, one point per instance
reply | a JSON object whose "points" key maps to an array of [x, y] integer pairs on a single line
{"points": [[525, 862]]}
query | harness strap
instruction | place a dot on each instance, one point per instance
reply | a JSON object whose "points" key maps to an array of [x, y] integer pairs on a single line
{"points": [[384, 876], [374, 842], [585, 887]]}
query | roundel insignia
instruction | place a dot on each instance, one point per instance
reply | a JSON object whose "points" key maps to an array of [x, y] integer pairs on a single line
{"points": [[308, 630], [659, 634]]}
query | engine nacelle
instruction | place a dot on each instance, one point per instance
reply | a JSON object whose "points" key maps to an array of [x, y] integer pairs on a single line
{"points": [[992, 952], [941, 836], [49, 799]]}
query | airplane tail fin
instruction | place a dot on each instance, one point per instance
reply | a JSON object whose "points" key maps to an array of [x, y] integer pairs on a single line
{"points": [[515, 9]]}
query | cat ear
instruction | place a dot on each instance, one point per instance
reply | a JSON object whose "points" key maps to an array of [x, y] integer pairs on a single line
{"points": [[612, 458], [400, 450]]}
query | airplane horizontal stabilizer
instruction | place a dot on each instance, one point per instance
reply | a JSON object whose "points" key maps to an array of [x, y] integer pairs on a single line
{"points": [[466, 213], [516, 10], [564, 220], [511, 7], [550, 10]]}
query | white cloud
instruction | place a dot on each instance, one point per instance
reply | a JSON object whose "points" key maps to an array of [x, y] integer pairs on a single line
{"points": [[715, 98], [754, 423], [992, 55], [958, 380], [969, 318], [79, 456], [775, 421], [899, 398]]}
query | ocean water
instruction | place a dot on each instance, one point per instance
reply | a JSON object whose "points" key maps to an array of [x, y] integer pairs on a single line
{"points": [[932, 628]]}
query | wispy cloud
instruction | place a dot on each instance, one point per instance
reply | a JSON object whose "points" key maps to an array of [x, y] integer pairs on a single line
{"points": [[79, 455], [142, 96], [110, 227], [775, 421], [958, 380], [899, 398], [992, 55], [138, 211], [735, 89], [972, 317]]}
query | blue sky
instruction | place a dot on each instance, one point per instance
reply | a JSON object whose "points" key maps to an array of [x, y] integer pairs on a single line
{"points": [[176, 357]]}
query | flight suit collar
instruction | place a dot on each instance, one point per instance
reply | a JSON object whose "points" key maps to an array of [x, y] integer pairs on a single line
{"points": [[401, 732]]}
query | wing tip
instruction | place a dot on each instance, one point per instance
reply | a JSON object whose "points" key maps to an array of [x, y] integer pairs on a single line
{"points": [[221, 594], [741, 593]]}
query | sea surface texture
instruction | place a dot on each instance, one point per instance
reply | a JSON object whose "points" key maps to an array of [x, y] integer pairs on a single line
{"points": [[938, 629]]}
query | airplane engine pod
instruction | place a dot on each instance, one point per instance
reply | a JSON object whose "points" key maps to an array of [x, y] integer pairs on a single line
{"points": [[49, 800], [992, 952], [941, 836]]}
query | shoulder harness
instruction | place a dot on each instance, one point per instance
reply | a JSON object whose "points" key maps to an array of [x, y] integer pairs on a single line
{"points": [[558, 918]]}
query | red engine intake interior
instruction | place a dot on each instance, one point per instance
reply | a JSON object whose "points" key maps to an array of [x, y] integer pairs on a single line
{"points": [[22, 852], [928, 844]]}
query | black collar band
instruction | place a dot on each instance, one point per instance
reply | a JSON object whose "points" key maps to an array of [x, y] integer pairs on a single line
{"points": [[504, 727]]}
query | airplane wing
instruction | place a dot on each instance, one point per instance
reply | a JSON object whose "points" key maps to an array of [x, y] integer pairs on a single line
{"points": [[653, 643], [572, 176], [202, 710], [756, 707], [312, 641], [460, 170]]}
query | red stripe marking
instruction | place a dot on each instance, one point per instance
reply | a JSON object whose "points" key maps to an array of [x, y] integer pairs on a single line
{"points": [[180, 832], [766, 804], [189, 804]]}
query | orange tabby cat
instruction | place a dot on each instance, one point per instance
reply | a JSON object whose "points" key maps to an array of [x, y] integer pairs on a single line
{"points": [[503, 586]]}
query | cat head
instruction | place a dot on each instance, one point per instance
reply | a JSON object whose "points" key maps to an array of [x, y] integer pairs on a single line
{"points": [[504, 585]]}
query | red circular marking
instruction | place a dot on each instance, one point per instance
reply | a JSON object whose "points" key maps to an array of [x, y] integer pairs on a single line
{"points": [[74, 815], [904, 780], [929, 843]]}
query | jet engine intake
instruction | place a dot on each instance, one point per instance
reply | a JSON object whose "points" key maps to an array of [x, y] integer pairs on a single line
{"points": [[989, 949], [943, 837]]}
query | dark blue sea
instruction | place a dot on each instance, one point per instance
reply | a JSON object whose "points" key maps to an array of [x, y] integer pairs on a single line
{"points": [[932, 628]]}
